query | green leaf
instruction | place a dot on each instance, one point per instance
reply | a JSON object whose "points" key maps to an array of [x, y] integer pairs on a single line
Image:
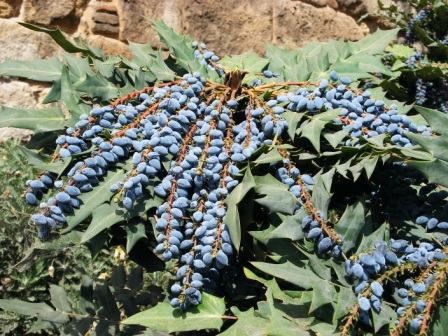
{"points": [[271, 156], [351, 224], [434, 171], [43, 161], [313, 129], [435, 119], [438, 322], [375, 43], [104, 216], [59, 299], [159, 68], [134, 232], [436, 145], [39, 70], [232, 219], [247, 324], [345, 301], [290, 228], [323, 293], [278, 198], [288, 272], [41, 310], [207, 315], [248, 61], [180, 46], [292, 118], [107, 306], [96, 86], [93, 199], [86, 296], [62, 40], [276, 291], [400, 50], [143, 53], [370, 237], [384, 317], [37, 120], [71, 99]]}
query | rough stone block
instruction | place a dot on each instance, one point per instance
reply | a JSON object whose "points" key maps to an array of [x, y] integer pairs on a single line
{"points": [[45, 12], [10, 8]]}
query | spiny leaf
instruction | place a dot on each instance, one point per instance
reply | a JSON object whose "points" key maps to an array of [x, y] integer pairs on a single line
{"points": [[96, 86], [180, 46], [288, 272], [38, 70], [207, 315], [64, 42], [59, 299], [93, 199], [232, 218], [375, 43], [351, 224], [277, 198], [134, 232], [37, 120], [41, 310], [71, 99], [143, 53]]}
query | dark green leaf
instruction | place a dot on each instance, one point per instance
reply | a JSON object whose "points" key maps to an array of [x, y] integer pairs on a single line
{"points": [[37, 120], [97, 86], [232, 219], [288, 272], [208, 315], [62, 40], [59, 299], [434, 171], [41, 310], [351, 224], [135, 231], [38, 70], [93, 199], [108, 307]]}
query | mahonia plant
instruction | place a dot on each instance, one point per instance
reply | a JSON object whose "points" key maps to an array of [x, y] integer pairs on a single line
{"points": [[290, 199]]}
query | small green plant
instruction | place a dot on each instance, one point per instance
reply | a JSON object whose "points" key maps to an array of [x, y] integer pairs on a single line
{"points": [[266, 195]]}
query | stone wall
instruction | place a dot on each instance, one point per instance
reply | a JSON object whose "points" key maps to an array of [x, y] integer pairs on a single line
{"points": [[226, 26]]}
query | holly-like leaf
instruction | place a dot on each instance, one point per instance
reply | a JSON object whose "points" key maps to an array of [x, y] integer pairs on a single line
{"points": [[134, 232], [277, 198], [39, 70], [41, 310], [351, 224], [207, 315], [96, 86], [59, 37], [59, 299], [232, 218], [288, 272], [93, 199], [375, 43], [180, 46], [37, 120]]}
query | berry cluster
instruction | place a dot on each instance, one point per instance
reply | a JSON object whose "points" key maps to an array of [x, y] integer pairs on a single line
{"points": [[190, 138]]}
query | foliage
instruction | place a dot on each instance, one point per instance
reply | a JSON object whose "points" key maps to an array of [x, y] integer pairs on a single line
{"points": [[270, 195]]}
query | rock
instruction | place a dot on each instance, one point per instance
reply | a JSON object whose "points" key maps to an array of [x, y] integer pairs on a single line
{"points": [[21, 43], [9, 8], [299, 23], [45, 12], [106, 21], [109, 46], [137, 28], [20, 94], [246, 25]]}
